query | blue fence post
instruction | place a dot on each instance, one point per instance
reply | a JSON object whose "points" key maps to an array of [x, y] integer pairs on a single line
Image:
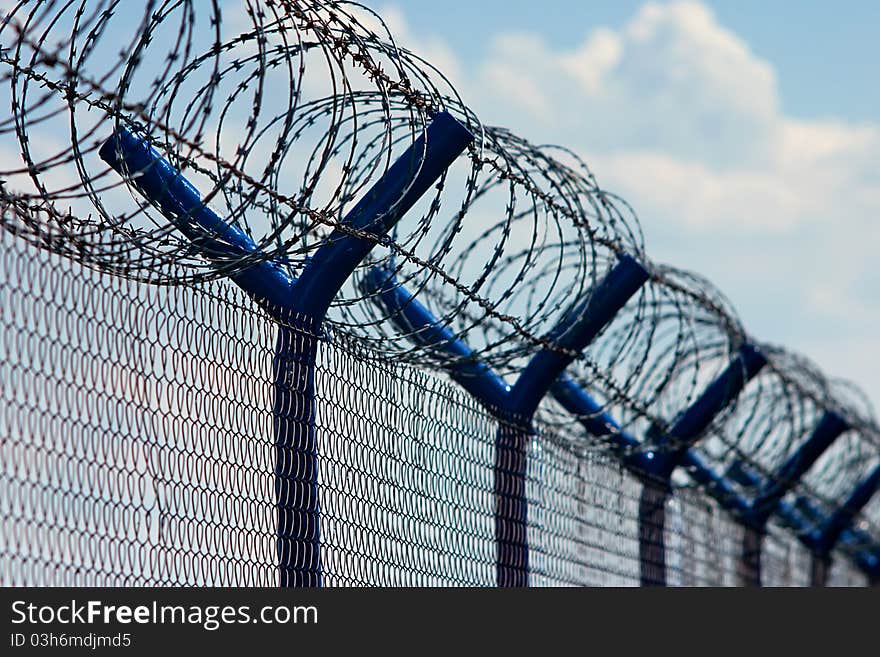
{"points": [[514, 407], [154, 177], [420, 166], [671, 450], [820, 564], [808, 527], [571, 335], [803, 517], [299, 305], [768, 499]]}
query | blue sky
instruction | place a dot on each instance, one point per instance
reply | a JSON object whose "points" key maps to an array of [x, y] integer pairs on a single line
{"points": [[825, 53], [746, 134]]}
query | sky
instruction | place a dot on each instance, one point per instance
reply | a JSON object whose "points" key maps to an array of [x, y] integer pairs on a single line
{"points": [[746, 135]]}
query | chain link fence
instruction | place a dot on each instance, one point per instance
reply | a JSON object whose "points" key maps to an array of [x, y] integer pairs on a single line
{"points": [[137, 449]]}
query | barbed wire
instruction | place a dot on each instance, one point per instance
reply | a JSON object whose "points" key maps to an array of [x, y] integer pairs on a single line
{"points": [[283, 114]]}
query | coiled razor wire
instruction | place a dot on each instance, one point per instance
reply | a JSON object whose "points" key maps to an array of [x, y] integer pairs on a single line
{"points": [[283, 114]]}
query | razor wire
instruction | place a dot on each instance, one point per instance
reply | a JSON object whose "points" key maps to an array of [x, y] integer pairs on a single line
{"points": [[284, 114]]}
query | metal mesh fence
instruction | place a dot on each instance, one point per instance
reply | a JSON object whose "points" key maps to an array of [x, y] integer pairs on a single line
{"points": [[137, 448], [134, 430]]}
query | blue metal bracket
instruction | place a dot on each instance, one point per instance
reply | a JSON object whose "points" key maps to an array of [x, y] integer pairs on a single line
{"points": [[803, 517], [839, 523], [574, 333], [300, 305], [407, 180], [420, 326], [631, 451], [596, 420], [673, 447], [717, 486], [513, 406], [218, 241], [798, 517], [769, 497], [692, 423], [767, 500]]}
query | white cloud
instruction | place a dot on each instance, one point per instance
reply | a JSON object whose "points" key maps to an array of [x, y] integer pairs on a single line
{"points": [[670, 80], [700, 197]]}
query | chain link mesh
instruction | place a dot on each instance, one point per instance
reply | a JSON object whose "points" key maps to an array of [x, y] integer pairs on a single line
{"points": [[136, 436]]}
